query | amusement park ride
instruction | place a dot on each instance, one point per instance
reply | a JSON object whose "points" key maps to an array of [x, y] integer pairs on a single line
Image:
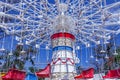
{"points": [[62, 25]]}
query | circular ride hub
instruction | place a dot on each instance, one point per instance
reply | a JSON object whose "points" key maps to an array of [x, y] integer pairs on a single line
{"points": [[63, 58]]}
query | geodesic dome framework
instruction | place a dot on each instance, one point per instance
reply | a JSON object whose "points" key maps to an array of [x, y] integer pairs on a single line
{"points": [[88, 20]]}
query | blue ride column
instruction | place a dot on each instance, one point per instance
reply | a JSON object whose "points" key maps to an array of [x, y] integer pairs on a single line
{"points": [[63, 63]]}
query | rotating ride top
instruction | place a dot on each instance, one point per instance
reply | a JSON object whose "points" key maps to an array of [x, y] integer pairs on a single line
{"points": [[63, 58], [62, 24]]}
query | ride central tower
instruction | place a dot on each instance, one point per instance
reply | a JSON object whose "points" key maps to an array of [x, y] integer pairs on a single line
{"points": [[63, 58]]}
